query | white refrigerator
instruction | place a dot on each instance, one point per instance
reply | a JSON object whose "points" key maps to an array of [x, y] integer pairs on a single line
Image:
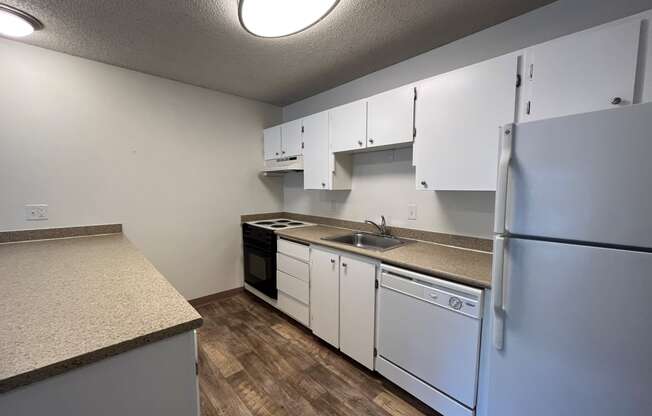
{"points": [[571, 317]]}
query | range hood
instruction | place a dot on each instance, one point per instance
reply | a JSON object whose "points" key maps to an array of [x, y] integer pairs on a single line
{"points": [[283, 165]]}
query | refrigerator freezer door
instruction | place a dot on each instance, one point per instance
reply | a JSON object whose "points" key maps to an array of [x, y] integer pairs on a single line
{"points": [[586, 177], [577, 336]]}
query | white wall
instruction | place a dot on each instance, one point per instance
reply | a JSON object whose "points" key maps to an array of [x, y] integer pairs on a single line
{"points": [[382, 187], [175, 164]]}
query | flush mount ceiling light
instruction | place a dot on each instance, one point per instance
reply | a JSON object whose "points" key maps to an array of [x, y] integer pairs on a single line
{"points": [[276, 18], [16, 23]]}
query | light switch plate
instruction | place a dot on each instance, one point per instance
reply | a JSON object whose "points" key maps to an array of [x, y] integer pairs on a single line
{"points": [[36, 212], [412, 211]]}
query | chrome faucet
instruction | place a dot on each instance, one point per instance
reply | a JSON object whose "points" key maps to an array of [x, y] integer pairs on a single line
{"points": [[382, 228]]}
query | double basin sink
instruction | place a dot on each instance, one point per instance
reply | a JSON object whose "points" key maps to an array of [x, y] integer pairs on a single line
{"points": [[375, 242]]}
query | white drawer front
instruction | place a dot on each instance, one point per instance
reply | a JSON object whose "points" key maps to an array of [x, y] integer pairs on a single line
{"points": [[293, 267], [294, 287], [296, 250], [294, 308]]}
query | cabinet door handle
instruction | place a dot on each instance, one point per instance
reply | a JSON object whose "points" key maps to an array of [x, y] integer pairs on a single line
{"points": [[359, 142], [333, 261], [283, 151], [616, 100], [371, 141], [344, 264], [323, 184], [424, 184], [276, 153]]}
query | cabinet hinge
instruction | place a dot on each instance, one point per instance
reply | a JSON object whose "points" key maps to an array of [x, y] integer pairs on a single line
{"points": [[375, 352], [531, 70], [196, 368], [415, 93], [518, 80], [528, 107], [302, 145], [414, 132], [302, 130], [376, 283]]}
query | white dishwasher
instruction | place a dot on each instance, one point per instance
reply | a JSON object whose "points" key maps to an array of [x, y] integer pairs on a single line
{"points": [[428, 338]]}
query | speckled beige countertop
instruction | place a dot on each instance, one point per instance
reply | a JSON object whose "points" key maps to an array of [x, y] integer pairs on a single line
{"points": [[457, 264], [68, 302]]}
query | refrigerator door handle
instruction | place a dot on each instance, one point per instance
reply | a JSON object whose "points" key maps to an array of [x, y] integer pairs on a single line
{"points": [[497, 290], [506, 140]]}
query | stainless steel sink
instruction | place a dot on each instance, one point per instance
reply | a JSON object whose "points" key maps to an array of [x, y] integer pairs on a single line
{"points": [[368, 241]]}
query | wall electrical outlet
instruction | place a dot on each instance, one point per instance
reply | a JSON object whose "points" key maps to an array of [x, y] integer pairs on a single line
{"points": [[412, 211], [36, 212]]}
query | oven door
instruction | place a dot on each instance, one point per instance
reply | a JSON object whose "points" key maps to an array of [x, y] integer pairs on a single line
{"points": [[260, 270]]}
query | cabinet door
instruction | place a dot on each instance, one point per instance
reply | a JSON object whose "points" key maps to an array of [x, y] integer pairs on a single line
{"points": [[348, 127], [587, 71], [458, 119], [316, 162], [390, 117], [272, 142], [291, 138], [357, 309], [324, 295]]}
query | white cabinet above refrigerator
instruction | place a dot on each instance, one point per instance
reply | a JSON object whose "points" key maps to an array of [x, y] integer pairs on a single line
{"points": [[587, 71]]}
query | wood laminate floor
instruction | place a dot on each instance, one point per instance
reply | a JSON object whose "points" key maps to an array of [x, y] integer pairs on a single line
{"points": [[255, 361]]}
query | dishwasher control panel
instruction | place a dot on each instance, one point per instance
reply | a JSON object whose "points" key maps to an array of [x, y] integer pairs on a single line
{"points": [[453, 296]]}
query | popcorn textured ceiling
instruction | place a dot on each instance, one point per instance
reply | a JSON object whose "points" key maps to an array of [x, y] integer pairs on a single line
{"points": [[201, 42]]}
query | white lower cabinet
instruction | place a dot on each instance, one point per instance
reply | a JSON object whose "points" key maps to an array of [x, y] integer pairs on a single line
{"points": [[293, 280], [325, 294], [357, 309], [158, 378], [294, 308], [343, 306]]}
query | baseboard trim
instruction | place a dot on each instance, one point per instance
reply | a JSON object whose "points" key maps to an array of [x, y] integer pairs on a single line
{"points": [[215, 296]]}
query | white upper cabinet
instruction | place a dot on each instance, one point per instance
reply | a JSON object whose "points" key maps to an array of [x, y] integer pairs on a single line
{"points": [[325, 294], [272, 142], [316, 153], [390, 117], [348, 127], [587, 71], [291, 138], [458, 119], [357, 309]]}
